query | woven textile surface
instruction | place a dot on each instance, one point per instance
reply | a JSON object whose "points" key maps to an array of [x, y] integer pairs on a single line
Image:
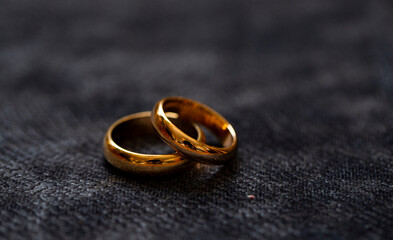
{"points": [[307, 85]]}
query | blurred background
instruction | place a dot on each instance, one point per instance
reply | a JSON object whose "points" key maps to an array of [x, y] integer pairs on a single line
{"points": [[78, 53], [308, 86]]}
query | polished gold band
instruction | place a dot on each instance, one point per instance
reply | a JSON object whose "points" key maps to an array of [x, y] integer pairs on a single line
{"points": [[146, 164], [187, 146]]}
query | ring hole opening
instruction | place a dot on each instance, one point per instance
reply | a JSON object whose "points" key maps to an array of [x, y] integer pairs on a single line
{"points": [[213, 126], [211, 138], [139, 135]]}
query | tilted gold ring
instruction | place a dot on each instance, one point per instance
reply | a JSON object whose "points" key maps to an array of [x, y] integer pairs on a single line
{"points": [[127, 129], [187, 146]]}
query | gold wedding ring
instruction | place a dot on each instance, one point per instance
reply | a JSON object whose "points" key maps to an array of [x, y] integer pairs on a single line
{"points": [[194, 149], [139, 125]]}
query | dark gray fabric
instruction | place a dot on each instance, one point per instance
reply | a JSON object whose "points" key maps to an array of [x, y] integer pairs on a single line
{"points": [[308, 86]]}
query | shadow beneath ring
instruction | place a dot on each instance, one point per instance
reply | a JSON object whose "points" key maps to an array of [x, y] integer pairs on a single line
{"points": [[199, 178]]}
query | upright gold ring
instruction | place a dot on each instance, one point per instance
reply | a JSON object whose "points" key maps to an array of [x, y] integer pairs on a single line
{"points": [[187, 146], [139, 124]]}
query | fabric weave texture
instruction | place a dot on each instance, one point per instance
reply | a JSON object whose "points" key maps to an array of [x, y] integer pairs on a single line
{"points": [[307, 85]]}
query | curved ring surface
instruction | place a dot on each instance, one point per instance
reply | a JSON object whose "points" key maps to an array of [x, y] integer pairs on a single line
{"points": [[184, 144], [127, 129]]}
